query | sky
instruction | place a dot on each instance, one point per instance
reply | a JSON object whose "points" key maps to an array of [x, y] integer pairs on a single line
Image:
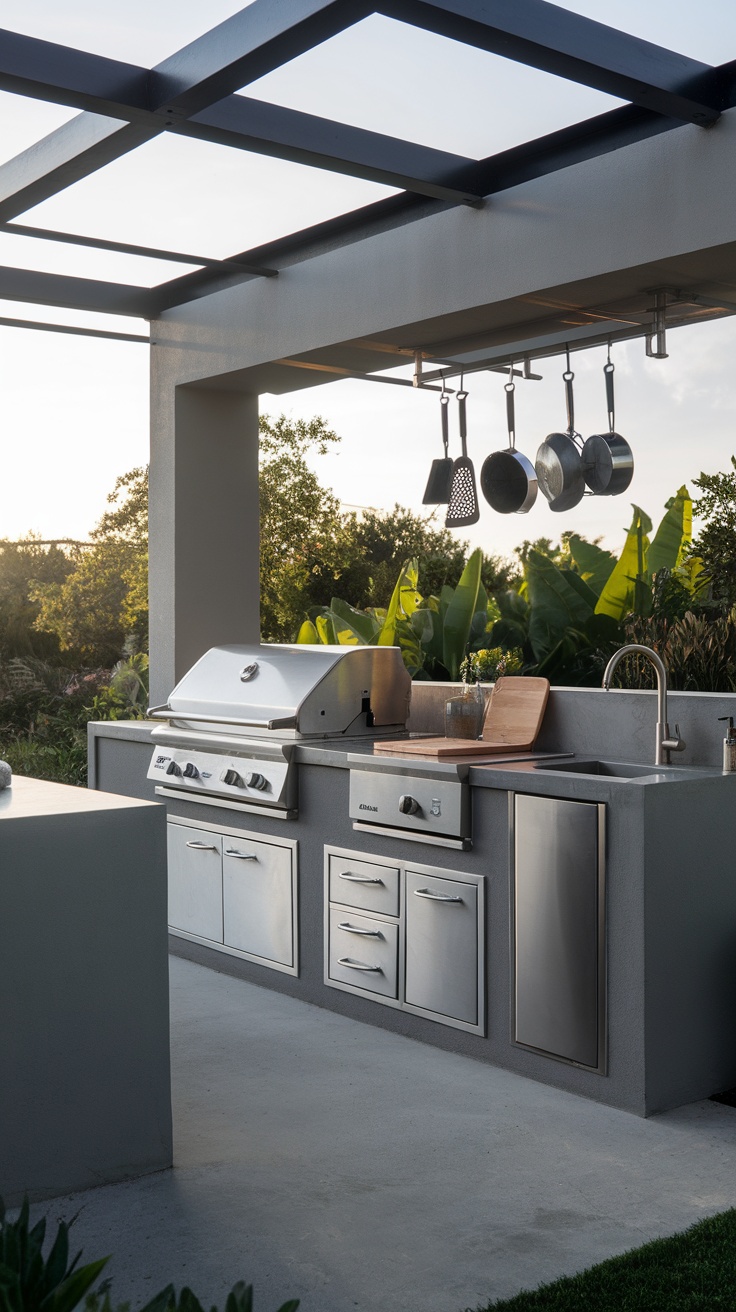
{"points": [[74, 410]]}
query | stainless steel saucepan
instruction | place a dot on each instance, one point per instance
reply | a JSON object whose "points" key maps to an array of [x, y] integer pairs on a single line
{"points": [[508, 479], [607, 459], [557, 464]]}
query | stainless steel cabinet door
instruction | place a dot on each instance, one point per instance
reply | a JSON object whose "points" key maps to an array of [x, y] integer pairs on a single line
{"points": [[258, 910], [558, 982], [195, 881], [442, 946]]}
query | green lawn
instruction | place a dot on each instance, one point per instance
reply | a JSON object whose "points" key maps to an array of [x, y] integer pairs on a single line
{"points": [[691, 1272]]}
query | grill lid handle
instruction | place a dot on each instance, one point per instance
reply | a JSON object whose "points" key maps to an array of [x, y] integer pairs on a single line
{"points": [[166, 713]]}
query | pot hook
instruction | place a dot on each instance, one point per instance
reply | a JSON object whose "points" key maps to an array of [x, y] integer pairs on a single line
{"points": [[509, 389], [608, 370], [568, 379]]}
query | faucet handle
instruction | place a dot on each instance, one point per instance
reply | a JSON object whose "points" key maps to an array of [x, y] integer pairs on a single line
{"points": [[675, 744]]}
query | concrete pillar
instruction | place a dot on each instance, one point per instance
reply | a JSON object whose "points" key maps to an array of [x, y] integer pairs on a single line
{"points": [[204, 526]]}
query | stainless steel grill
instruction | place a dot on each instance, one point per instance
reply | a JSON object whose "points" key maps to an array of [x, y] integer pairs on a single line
{"points": [[231, 724]]}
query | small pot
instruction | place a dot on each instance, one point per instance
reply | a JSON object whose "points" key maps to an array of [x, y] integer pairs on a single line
{"points": [[508, 479], [607, 458], [559, 471]]}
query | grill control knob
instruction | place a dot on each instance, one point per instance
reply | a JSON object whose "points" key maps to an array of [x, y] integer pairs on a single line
{"points": [[173, 768], [231, 777], [191, 771], [256, 781], [408, 805]]}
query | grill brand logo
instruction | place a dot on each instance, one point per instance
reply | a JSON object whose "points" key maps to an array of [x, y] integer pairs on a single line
{"points": [[248, 672], [161, 760], [364, 807]]}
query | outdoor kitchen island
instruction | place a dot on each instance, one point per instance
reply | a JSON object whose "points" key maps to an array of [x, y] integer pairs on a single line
{"points": [[626, 996]]}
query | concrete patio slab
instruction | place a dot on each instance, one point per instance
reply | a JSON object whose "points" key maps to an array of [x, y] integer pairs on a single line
{"points": [[323, 1159]]}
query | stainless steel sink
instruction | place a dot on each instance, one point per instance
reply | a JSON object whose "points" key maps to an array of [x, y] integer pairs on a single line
{"points": [[612, 769]]}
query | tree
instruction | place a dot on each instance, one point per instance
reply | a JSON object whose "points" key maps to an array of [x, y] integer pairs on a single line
{"points": [[716, 542], [22, 564], [101, 607]]}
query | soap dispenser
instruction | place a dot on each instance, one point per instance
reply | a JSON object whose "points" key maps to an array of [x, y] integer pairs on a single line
{"points": [[729, 745]]}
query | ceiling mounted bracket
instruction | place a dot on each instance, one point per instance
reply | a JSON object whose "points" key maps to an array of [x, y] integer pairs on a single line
{"points": [[656, 338]]}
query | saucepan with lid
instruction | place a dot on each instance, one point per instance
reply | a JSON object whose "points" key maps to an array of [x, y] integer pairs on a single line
{"points": [[558, 466], [607, 459], [508, 479]]}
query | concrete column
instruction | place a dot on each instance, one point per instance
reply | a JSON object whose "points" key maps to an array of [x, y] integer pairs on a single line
{"points": [[204, 526]]}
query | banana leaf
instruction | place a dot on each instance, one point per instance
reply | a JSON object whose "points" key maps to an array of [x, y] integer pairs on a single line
{"points": [[459, 614], [307, 633], [365, 627], [595, 564], [560, 600], [673, 535], [403, 602], [621, 594], [326, 629]]}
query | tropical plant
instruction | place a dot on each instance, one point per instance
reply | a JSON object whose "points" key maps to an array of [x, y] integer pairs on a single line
{"points": [[30, 1282], [490, 664], [715, 545]]}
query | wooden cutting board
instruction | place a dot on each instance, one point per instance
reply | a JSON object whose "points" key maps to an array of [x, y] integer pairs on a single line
{"points": [[513, 720]]}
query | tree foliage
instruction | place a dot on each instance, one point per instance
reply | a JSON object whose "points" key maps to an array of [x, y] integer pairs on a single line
{"points": [[716, 542], [100, 607], [23, 564]]}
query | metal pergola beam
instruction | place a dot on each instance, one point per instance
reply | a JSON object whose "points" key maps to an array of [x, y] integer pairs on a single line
{"points": [[555, 40], [128, 248], [75, 293]]}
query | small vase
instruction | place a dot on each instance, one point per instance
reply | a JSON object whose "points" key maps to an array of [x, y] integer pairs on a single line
{"points": [[464, 714]]}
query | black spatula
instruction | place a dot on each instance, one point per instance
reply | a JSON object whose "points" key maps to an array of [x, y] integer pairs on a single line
{"points": [[463, 508], [439, 482]]}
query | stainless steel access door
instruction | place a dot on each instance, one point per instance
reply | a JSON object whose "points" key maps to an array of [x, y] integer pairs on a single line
{"points": [[195, 881], [258, 905], [559, 941], [443, 969]]}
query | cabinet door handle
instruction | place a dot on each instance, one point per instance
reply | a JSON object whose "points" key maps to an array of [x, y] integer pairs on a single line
{"points": [[357, 965], [242, 856], [359, 879], [435, 897], [366, 933], [203, 847]]}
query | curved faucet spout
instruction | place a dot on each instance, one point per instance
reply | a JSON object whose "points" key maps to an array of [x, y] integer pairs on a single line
{"points": [[665, 744]]}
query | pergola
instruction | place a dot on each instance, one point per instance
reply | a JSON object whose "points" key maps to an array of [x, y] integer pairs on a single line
{"points": [[619, 226]]}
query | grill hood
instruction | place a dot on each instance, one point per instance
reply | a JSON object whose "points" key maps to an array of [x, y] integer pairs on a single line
{"points": [[296, 691]]}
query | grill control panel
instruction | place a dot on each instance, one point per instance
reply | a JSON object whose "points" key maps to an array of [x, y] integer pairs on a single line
{"points": [[422, 805], [222, 776]]}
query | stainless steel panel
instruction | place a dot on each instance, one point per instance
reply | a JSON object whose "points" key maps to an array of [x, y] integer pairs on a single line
{"points": [[258, 912], [558, 954], [438, 806], [364, 952], [195, 881], [442, 946], [365, 884]]}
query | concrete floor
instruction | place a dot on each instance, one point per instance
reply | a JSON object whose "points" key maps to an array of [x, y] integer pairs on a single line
{"points": [[327, 1160]]}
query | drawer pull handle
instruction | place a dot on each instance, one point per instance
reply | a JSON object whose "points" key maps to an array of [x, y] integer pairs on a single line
{"points": [[435, 897], [242, 856], [357, 965], [203, 847], [359, 879], [366, 933]]}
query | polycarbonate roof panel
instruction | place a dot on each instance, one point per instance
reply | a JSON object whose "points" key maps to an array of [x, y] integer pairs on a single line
{"points": [[184, 195], [24, 121], [705, 31], [138, 32], [396, 79]]}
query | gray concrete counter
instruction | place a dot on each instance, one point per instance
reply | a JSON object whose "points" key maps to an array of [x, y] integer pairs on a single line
{"points": [[84, 1026]]}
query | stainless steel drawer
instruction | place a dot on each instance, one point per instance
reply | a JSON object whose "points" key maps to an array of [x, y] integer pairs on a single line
{"points": [[364, 952], [442, 966], [258, 913], [365, 884], [195, 881]]}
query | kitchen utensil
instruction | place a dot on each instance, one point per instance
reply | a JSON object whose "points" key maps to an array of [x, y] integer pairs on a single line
{"points": [[439, 483], [557, 464], [607, 460], [463, 507], [508, 479], [512, 723]]}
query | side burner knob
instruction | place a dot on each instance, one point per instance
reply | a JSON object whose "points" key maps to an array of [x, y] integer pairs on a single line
{"points": [[173, 768], [231, 777], [408, 805], [256, 781], [191, 771]]}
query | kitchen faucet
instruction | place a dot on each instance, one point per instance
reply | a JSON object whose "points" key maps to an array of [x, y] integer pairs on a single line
{"points": [[665, 744]]}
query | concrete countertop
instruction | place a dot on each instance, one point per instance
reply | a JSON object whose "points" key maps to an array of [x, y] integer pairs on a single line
{"points": [[38, 797]]}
